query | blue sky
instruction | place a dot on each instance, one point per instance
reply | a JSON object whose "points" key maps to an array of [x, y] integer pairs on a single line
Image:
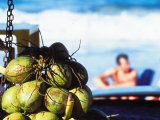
{"points": [[81, 5]]}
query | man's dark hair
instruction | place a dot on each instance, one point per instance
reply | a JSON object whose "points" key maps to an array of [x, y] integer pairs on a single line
{"points": [[122, 55]]}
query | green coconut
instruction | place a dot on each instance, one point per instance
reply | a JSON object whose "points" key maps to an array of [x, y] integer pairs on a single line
{"points": [[29, 96], [88, 90], [59, 75], [56, 100], [16, 116], [83, 100], [79, 74], [20, 69], [44, 115], [10, 102]]}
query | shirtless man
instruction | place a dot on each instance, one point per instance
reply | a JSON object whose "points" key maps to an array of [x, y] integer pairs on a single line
{"points": [[122, 75]]}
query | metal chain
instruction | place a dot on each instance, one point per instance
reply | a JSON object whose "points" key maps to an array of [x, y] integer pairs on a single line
{"points": [[8, 42], [9, 31]]}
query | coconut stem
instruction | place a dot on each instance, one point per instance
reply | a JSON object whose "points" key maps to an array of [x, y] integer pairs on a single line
{"points": [[69, 107], [2, 70]]}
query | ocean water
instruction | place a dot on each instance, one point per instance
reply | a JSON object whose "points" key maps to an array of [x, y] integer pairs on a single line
{"points": [[105, 28]]}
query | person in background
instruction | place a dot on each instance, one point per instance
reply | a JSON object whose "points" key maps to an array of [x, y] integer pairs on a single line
{"points": [[122, 74]]}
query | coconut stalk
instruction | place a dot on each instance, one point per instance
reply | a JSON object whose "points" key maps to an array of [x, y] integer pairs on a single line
{"points": [[69, 107]]}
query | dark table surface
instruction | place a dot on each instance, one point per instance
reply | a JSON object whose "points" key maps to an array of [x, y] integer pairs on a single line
{"points": [[129, 110]]}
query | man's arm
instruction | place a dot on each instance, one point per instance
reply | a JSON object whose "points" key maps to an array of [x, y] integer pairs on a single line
{"points": [[101, 80]]}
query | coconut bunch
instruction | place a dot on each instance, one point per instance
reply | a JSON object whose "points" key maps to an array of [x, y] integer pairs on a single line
{"points": [[46, 83]]}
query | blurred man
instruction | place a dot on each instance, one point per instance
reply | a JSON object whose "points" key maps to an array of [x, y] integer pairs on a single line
{"points": [[122, 75]]}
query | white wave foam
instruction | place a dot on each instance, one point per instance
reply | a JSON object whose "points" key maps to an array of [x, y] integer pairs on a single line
{"points": [[95, 30]]}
